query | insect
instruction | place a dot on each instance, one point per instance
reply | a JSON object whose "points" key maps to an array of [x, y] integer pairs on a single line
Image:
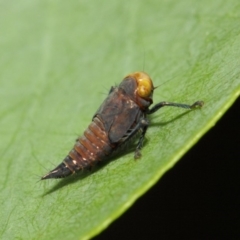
{"points": [[120, 119]]}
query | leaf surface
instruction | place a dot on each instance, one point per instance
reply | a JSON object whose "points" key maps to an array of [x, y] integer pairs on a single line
{"points": [[58, 62]]}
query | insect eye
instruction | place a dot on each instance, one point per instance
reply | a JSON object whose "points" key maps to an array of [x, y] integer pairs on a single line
{"points": [[144, 87]]}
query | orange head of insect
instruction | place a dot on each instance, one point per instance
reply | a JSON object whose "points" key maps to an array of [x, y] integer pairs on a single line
{"points": [[144, 85], [140, 87]]}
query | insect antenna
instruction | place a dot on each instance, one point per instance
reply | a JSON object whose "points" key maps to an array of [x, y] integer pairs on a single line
{"points": [[144, 57]]}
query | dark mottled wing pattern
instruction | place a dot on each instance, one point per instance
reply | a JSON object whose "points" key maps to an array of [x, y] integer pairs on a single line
{"points": [[118, 113]]}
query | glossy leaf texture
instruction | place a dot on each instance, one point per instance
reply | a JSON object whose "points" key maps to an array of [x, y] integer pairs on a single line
{"points": [[58, 62]]}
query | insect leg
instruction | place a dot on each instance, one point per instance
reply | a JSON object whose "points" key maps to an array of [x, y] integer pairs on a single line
{"points": [[143, 127], [111, 89], [156, 107]]}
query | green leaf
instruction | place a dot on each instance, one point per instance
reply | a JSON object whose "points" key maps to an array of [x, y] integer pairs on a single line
{"points": [[58, 61]]}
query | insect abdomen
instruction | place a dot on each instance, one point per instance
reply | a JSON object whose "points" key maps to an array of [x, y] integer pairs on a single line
{"points": [[89, 149]]}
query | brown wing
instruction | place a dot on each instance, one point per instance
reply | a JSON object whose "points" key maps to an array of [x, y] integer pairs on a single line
{"points": [[117, 113]]}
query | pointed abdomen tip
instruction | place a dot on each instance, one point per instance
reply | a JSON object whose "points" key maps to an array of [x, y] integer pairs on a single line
{"points": [[61, 171]]}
